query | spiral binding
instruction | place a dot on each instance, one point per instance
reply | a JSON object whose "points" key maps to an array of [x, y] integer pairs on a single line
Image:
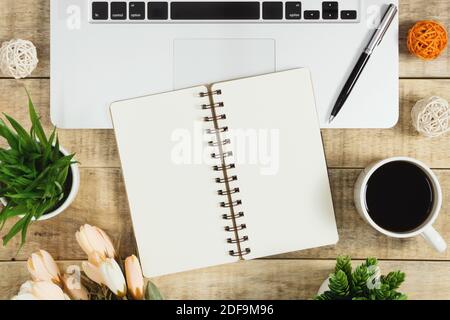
{"points": [[210, 93], [226, 179], [231, 204], [214, 105], [237, 228], [218, 130], [220, 117], [216, 144], [232, 216], [242, 239], [227, 167], [223, 155]]}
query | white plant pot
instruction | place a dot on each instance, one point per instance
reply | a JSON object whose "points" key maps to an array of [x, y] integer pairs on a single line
{"points": [[72, 194], [324, 287]]}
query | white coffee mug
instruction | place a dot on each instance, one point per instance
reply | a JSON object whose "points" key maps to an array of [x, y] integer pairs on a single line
{"points": [[426, 230]]}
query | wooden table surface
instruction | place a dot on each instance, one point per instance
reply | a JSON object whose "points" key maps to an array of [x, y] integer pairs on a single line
{"points": [[102, 200]]}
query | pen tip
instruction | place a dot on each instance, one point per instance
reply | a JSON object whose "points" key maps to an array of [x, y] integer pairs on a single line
{"points": [[331, 119]]}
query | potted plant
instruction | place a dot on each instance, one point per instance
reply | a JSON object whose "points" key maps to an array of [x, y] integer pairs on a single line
{"points": [[38, 178], [364, 283]]}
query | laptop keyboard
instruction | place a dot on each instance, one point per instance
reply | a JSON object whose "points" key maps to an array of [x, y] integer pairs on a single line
{"points": [[306, 11]]}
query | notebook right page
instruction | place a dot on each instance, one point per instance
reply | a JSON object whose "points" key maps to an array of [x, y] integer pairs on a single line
{"points": [[280, 163]]}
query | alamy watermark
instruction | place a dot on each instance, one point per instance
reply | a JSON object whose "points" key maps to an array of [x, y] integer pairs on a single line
{"points": [[374, 281], [258, 147]]}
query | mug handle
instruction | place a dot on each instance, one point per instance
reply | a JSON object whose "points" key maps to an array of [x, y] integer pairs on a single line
{"points": [[434, 239]]}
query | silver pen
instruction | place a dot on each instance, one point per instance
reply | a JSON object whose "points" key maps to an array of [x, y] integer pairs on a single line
{"points": [[375, 40]]}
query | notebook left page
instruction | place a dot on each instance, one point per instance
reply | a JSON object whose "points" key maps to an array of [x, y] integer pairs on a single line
{"points": [[172, 194]]}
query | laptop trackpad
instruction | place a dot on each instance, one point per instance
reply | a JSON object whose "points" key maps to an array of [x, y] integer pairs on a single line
{"points": [[202, 61]]}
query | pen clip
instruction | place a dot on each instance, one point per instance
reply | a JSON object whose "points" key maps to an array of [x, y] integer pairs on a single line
{"points": [[389, 16]]}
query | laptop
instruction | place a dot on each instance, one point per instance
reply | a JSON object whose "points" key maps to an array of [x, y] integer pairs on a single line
{"points": [[104, 51]]}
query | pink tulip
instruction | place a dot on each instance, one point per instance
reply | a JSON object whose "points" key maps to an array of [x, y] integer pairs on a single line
{"points": [[40, 290], [92, 239], [92, 268], [43, 268], [113, 277], [135, 280]]}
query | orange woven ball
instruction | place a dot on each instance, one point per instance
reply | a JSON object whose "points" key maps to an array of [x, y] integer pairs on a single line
{"points": [[427, 39]]}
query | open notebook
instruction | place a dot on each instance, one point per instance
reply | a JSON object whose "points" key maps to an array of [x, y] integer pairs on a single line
{"points": [[225, 172]]}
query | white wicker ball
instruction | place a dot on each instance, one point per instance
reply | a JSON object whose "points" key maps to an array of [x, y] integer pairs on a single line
{"points": [[18, 58], [431, 117]]}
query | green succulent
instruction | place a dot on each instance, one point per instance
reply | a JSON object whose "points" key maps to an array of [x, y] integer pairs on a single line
{"points": [[362, 283], [33, 173]]}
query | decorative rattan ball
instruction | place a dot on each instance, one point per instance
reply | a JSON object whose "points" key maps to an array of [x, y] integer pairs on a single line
{"points": [[431, 117], [427, 39], [18, 58]]}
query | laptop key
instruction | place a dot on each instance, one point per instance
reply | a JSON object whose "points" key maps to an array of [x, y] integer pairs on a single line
{"points": [[348, 15], [330, 15], [158, 11], [272, 10], [137, 10], [293, 10], [100, 11], [118, 10], [330, 5], [330, 10], [312, 15]]}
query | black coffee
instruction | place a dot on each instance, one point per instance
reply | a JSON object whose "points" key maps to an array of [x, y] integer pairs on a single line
{"points": [[399, 196]]}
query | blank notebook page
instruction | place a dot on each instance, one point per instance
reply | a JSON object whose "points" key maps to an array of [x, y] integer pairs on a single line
{"points": [[280, 167], [285, 193], [174, 206]]}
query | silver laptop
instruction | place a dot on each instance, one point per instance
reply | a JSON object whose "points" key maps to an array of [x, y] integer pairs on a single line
{"points": [[104, 51]]}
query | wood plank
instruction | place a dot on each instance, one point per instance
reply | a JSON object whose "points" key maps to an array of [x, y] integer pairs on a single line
{"points": [[30, 19], [359, 240], [410, 13], [264, 279], [359, 147], [102, 202], [354, 148], [294, 279], [94, 148]]}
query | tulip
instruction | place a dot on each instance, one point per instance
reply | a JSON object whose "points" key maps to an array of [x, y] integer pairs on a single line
{"points": [[92, 268], [92, 272], [92, 239], [73, 286], [26, 287], [25, 292], [113, 277], [96, 259], [43, 268], [45, 290], [40, 290], [135, 280], [25, 296]]}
